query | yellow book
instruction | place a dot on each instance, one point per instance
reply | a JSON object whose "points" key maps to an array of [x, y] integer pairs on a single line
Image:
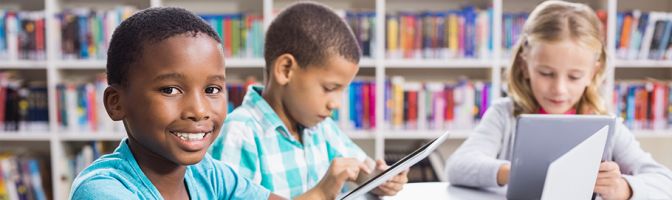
{"points": [[398, 96], [453, 24], [392, 34]]}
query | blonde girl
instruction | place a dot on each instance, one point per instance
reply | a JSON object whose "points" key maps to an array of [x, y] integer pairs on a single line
{"points": [[557, 68]]}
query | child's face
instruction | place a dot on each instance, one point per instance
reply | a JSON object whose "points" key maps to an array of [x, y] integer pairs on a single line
{"points": [[175, 102], [559, 73], [314, 92]]}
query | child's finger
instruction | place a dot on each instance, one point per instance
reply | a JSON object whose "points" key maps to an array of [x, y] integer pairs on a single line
{"points": [[363, 167], [386, 191], [381, 165], [608, 166]]}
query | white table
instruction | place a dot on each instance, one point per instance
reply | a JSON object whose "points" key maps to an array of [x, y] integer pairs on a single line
{"points": [[443, 190]]}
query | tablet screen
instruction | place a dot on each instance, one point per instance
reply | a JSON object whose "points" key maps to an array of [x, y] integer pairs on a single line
{"points": [[395, 165]]}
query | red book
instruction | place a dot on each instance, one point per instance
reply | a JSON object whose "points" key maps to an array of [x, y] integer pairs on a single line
{"points": [[365, 102], [450, 105], [39, 37], [228, 35], [412, 119], [91, 111]]}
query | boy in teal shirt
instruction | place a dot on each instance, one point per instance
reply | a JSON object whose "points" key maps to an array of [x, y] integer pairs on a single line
{"points": [[166, 79], [281, 136]]}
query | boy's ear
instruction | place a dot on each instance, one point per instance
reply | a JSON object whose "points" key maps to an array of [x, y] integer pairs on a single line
{"points": [[113, 103], [283, 68]]}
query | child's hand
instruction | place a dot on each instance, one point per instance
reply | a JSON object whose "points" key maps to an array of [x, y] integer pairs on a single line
{"points": [[392, 186], [340, 171], [610, 184]]}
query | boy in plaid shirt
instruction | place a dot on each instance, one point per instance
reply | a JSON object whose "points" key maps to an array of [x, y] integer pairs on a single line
{"points": [[281, 136]]}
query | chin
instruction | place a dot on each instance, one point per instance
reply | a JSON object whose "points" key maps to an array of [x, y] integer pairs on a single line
{"points": [[190, 158]]}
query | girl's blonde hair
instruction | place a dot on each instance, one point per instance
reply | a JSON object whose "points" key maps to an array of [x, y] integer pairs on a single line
{"points": [[553, 21]]}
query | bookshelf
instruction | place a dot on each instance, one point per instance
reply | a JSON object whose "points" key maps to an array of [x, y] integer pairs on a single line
{"points": [[60, 144]]}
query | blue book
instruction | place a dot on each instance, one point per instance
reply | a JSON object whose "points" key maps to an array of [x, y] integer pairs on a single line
{"points": [[630, 107], [83, 22], [662, 47], [3, 39], [359, 105], [469, 14], [36, 180], [490, 29], [352, 93]]}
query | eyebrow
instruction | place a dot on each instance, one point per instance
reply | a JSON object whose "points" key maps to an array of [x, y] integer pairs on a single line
{"points": [[169, 76], [217, 78]]}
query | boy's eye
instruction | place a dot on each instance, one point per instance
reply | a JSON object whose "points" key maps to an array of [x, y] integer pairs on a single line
{"points": [[212, 90], [330, 89], [169, 90]]}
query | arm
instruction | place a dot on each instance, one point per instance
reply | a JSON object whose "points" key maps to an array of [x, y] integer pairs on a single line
{"points": [[474, 163], [647, 178]]}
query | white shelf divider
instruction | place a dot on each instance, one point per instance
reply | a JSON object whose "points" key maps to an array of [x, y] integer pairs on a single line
{"points": [[643, 63], [438, 63], [22, 64], [25, 136]]}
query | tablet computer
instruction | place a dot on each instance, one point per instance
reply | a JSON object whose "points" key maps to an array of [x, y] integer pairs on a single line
{"points": [[541, 139], [401, 165]]}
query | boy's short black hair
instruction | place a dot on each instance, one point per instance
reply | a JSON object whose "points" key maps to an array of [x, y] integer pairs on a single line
{"points": [[311, 33], [145, 27]]}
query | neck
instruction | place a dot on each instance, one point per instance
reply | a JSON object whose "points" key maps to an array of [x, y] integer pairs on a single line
{"points": [[274, 98], [165, 175]]}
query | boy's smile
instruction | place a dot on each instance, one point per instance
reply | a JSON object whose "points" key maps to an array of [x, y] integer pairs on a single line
{"points": [[174, 101]]}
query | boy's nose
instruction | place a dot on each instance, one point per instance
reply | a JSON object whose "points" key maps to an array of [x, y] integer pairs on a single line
{"points": [[196, 109], [333, 105]]}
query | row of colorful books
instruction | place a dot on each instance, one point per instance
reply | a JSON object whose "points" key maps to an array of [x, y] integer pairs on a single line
{"points": [[236, 91], [242, 34], [23, 104], [86, 155], [512, 27], [80, 107], [22, 35], [85, 33], [435, 105], [644, 35], [21, 177], [363, 24], [644, 104], [464, 33]]}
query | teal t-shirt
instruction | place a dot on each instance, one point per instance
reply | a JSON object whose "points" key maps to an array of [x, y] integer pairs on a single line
{"points": [[118, 176]]}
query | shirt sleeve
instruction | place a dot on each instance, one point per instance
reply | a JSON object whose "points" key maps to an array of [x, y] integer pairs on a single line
{"points": [[101, 187], [339, 144], [236, 146]]}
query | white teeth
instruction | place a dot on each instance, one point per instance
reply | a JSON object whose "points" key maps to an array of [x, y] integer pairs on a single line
{"points": [[190, 136]]}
